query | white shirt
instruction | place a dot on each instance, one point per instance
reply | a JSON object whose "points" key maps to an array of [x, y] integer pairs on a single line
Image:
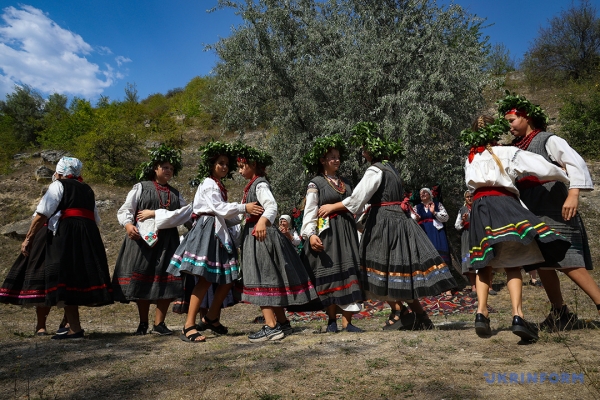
{"points": [[365, 189], [267, 201], [559, 151], [484, 172]]}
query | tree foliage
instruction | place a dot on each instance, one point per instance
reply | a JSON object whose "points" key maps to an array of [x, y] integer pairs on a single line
{"points": [[499, 62], [580, 120], [305, 69], [569, 48], [25, 107]]}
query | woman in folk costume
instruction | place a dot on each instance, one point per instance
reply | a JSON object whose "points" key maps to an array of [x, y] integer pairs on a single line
{"points": [[554, 203], [431, 215], [209, 252], [141, 269], [502, 233], [76, 270], [462, 223], [398, 261], [332, 250], [274, 276]]}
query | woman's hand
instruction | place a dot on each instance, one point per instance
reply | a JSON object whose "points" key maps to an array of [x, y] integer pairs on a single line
{"points": [[254, 209], [431, 207], [465, 216], [569, 208], [260, 229], [145, 214], [316, 244], [325, 210], [132, 232], [25, 247]]}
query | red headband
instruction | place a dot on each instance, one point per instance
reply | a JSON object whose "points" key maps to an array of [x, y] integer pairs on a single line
{"points": [[516, 112], [242, 160]]}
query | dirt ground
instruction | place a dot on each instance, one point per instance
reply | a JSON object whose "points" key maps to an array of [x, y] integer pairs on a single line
{"points": [[450, 362]]}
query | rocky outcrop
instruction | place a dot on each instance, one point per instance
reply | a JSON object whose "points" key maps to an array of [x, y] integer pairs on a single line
{"points": [[43, 173], [16, 230]]}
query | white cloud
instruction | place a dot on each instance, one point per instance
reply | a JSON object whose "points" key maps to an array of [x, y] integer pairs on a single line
{"points": [[122, 60], [35, 51]]}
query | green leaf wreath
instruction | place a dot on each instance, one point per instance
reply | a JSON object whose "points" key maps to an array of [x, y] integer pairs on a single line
{"points": [[160, 154], [367, 135], [518, 102], [488, 134], [251, 154], [320, 147], [208, 154]]}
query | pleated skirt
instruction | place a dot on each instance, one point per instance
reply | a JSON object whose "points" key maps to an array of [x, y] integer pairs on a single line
{"points": [[141, 270], [546, 202], [25, 283], [202, 254], [398, 261], [76, 266], [273, 274], [504, 234]]}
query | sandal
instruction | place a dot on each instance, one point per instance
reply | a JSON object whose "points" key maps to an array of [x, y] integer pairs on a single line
{"points": [[207, 323], [392, 323], [191, 338]]}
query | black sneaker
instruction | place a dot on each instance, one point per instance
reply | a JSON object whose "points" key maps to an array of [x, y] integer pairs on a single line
{"points": [[482, 325], [141, 330], [525, 330], [162, 329], [559, 320], [267, 333], [286, 327]]}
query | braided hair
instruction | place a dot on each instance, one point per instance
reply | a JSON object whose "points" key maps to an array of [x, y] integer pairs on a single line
{"points": [[481, 122]]}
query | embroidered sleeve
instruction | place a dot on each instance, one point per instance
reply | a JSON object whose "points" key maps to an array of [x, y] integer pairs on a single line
{"points": [[311, 206], [266, 199], [126, 214], [441, 215], [559, 151]]}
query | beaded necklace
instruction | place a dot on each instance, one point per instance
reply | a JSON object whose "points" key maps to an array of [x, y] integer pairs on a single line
{"points": [[524, 141], [247, 188], [340, 187], [221, 187], [164, 189]]}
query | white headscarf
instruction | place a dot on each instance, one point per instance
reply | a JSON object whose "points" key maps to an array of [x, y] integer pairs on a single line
{"points": [[287, 218], [69, 166]]}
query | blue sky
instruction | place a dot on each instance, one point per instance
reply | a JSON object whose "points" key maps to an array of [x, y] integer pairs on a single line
{"points": [[92, 48]]}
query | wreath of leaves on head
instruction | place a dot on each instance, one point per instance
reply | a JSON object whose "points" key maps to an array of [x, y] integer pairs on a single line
{"points": [[320, 148], [160, 154], [367, 135], [518, 102], [208, 155], [488, 134], [250, 154]]}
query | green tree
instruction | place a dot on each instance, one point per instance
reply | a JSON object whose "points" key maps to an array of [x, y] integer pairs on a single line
{"points": [[499, 61], [63, 127], [25, 107], [308, 68], [113, 147], [9, 145], [580, 120], [569, 48], [131, 93]]}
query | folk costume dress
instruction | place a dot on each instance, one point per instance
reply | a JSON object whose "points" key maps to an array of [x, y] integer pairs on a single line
{"points": [[433, 225], [76, 267], [273, 273], [398, 261], [502, 233], [335, 270], [25, 283], [546, 198], [463, 228], [209, 249], [141, 270]]}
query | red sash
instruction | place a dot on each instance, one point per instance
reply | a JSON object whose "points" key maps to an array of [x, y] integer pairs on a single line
{"points": [[492, 191], [78, 212], [529, 182]]}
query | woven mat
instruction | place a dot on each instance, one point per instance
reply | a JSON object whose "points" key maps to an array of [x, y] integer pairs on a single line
{"points": [[458, 303]]}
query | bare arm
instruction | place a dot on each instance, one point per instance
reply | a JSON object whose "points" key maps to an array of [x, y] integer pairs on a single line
{"points": [[38, 222]]}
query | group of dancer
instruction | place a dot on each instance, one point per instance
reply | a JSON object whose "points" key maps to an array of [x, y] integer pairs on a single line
{"points": [[394, 261]]}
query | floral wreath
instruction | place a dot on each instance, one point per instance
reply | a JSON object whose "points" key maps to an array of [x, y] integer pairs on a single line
{"points": [[321, 146], [367, 135], [160, 154], [208, 154], [519, 104], [247, 154], [485, 135]]}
